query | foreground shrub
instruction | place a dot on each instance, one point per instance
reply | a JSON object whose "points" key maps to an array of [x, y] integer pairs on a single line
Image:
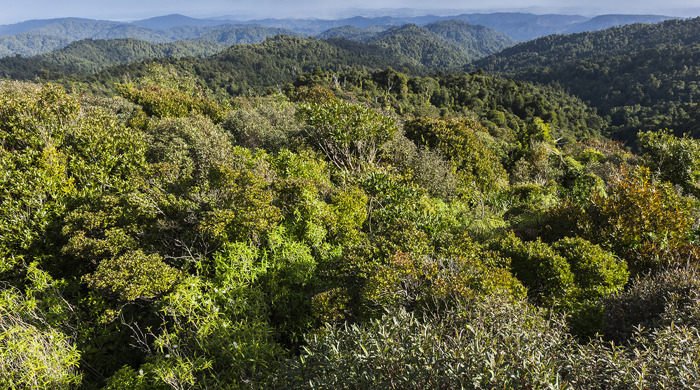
{"points": [[641, 219], [489, 343], [597, 274], [485, 343], [668, 358], [33, 354], [652, 302]]}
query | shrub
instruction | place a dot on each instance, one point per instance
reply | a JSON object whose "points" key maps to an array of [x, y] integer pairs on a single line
{"points": [[654, 301], [268, 124], [546, 274], [350, 135], [642, 220], [597, 274], [674, 159], [487, 342], [33, 354], [465, 143]]}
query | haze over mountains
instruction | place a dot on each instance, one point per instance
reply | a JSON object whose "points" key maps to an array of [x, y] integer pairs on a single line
{"points": [[40, 36]]}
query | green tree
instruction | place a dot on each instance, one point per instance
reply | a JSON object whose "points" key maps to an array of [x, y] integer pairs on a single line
{"points": [[673, 159], [350, 135], [467, 145]]}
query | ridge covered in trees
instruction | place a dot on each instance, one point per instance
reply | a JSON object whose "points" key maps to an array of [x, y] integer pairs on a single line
{"points": [[452, 46], [644, 76]]}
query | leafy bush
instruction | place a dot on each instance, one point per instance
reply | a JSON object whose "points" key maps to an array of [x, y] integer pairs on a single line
{"points": [[350, 135], [133, 275], [269, 124], [674, 159], [666, 358], [213, 334], [414, 282], [34, 182], [671, 296], [33, 353], [642, 220], [597, 274], [546, 274], [465, 143], [486, 342]]}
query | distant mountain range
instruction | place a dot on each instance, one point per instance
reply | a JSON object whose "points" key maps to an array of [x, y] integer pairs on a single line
{"points": [[448, 45], [41, 36]]}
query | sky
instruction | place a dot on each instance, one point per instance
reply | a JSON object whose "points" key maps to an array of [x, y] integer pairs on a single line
{"points": [[13, 11]]}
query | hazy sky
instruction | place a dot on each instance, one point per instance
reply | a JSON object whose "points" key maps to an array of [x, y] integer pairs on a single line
{"points": [[13, 11]]}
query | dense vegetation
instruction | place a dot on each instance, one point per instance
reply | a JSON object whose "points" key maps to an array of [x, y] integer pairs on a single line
{"points": [[299, 214], [644, 76], [29, 44], [467, 42]]}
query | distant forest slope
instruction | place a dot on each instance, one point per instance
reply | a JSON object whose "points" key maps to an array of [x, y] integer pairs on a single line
{"points": [[434, 43], [89, 56], [37, 38], [255, 67], [477, 41], [644, 76], [29, 44]]}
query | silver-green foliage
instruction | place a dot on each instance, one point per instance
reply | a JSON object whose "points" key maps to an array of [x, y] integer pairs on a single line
{"points": [[485, 343], [489, 343]]}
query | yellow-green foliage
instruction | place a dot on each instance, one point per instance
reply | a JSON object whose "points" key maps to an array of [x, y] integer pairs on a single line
{"points": [[168, 103], [165, 93], [317, 211], [674, 159], [350, 135], [34, 116], [598, 275], [596, 272], [34, 182], [331, 306], [416, 281], [572, 275], [240, 199], [33, 354], [466, 144], [267, 123], [133, 275], [213, 335], [103, 154], [546, 274], [641, 219]]}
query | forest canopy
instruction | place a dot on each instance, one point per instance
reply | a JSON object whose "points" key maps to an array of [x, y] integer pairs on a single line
{"points": [[301, 214]]}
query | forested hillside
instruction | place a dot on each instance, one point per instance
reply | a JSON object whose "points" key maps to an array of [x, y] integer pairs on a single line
{"points": [[308, 213], [43, 38], [242, 69], [29, 44], [437, 40], [644, 76], [91, 56], [273, 63]]}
